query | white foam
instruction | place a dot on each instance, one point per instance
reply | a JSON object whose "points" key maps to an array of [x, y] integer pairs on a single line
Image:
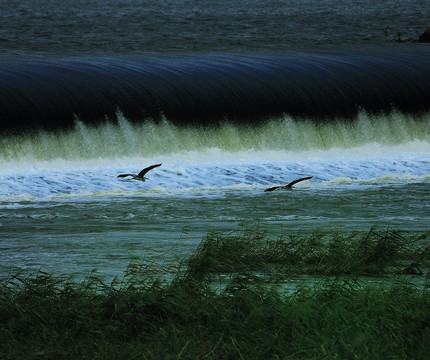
{"points": [[85, 162]]}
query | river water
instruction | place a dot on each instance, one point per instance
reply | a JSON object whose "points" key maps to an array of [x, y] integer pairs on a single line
{"points": [[65, 66]]}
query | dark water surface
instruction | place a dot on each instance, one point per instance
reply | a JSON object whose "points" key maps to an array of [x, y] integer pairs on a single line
{"points": [[109, 27]]}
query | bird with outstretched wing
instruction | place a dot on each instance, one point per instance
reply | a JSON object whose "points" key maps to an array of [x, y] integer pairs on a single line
{"points": [[141, 175], [289, 185]]}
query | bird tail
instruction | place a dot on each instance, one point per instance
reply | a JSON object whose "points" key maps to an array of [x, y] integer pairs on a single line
{"points": [[272, 188]]}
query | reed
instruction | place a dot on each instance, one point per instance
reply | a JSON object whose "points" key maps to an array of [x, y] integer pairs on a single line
{"points": [[48, 317], [374, 252]]}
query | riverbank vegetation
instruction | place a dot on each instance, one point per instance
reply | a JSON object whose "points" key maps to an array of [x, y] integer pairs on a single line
{"points": [[230, 300]]}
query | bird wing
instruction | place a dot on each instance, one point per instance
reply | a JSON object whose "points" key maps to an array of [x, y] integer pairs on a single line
{"points": [[124, 175], [144, 171], [296, 181], [288, 186]]}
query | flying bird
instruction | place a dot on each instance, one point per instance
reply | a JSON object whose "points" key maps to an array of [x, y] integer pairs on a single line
{"points": [[288, 186], [141, 175]]}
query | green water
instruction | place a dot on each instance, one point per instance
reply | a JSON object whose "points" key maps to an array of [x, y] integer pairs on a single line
{"points": [[104, 234], [121, 139]]}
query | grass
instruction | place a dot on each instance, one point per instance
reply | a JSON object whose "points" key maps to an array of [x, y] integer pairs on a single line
{"points": [[374, 252], [340, 317]]}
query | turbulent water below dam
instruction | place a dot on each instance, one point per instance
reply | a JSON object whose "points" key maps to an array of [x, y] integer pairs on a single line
{"points": [[63, 209]]}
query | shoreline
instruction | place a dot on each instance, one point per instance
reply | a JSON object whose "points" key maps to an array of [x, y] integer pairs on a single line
{"points": [[252, 316]]}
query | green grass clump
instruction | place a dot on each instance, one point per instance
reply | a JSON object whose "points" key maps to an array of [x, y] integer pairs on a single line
{"points": [[373, 252], [47, 317]]}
